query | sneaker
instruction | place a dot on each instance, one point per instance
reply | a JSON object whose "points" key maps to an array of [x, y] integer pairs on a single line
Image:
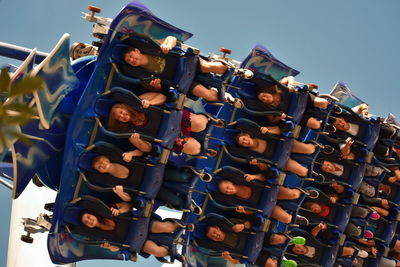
{"points": [[312, 86], [298, 240], [229, 98], [244, 73], [313, 193], [302, 220], [368, 234], [375, 216], [362, 254]]}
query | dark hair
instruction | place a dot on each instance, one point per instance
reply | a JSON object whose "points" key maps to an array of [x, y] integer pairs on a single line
{"points": [[99, 218], [308, 204], [128, 49], [273, 90], [240, 135], [97, 159]]}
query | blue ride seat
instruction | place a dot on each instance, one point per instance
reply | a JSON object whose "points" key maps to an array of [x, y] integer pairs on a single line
{"points": [[185, 63], [294, 106], [339, 214], [263, 198], [144, 179], [368, 128], [247, 251], [326, 253], [130, 235], [164, 126], [278, 148]]}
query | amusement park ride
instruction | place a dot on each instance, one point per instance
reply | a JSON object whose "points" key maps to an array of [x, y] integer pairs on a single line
{"points": [[81, 85]]}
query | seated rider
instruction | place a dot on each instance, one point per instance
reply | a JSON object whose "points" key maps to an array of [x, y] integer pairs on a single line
{"points": [[262, 147], [122, 117], [91, 220], [274, 99], [142, 65]]}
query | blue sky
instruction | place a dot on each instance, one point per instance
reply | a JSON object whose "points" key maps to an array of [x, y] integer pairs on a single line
{"points": [[353, 41]]}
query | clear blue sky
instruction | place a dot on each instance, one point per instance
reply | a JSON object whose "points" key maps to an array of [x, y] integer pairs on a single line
{"points": [[353, 41]]}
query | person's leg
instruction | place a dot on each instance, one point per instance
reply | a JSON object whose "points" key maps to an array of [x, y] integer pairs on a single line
{"points": [[166, 196], [296, 168], [153, 249], [278, 239], [381, 211], [212, 66], [163, 227], [347, 251], [320, 103], [352, 230], [198, 122], [201, 91], [271, 263], [191, 147], [313, 123], [288, 193], [303, 148], [281, 215]]}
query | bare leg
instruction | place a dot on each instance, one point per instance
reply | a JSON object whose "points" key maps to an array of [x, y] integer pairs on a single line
{"points": [[288, 193], [278, 239], [303, 148], [213, 66], [281, 215], [152, 248], [205, 93], [296, 168], [320, 103], [198, 122], [192, 147], [271, 263], [163, 227], [313, 123], [347, 251], [381, 211]]}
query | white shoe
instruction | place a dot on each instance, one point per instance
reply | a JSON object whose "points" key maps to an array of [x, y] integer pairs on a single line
{"points": [[244, 73], [362, 254]]}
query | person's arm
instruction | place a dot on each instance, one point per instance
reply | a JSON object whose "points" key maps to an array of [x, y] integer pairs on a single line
{"points": [[320, 227], [241, 209], [345, 150], [227, 256], [112, 248], [333, 198], [261, 165], [152, 98], [251, 177], [123, 207], [168, 44], [139, 143], [127, 156], [119, 191]]}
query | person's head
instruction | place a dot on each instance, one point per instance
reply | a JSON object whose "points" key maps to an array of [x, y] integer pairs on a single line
{"points": [[314, 207], [244, 139], [227, 187], [132, 56], [215, 233], [122, 116], [299, 249], [266, 95], [328, 166], [89, 219], [337, 187], [101, 164], [341, 124]]}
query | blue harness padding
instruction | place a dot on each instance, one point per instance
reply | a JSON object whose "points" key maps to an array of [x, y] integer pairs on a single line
{"points": [[185, 67], [246, 253], [160, 125], [326, 253], [263, 197], [338, 216], [144, 180], [129, 230], [278, 148]]}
